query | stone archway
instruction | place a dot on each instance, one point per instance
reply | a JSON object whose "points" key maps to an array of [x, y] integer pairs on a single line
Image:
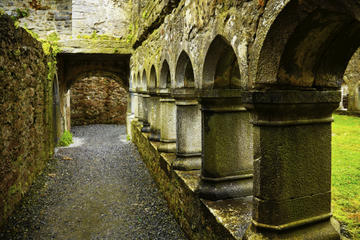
{"points": [[98, 98], [300, 61], [110, 68]]}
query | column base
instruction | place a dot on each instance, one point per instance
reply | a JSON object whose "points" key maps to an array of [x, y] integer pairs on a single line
{"points": [[325, 230], [145, 128], [167, 147], [154, 136], [219, 189], [187, 163]]}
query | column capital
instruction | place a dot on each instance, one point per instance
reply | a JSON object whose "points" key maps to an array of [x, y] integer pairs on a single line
{"points": [[290, 107]]}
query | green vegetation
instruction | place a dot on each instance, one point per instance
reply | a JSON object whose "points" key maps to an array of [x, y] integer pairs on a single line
{"points": [[66, 139], [346, 173], [95, 36], [22, 13]]}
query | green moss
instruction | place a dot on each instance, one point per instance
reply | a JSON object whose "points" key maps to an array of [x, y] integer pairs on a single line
{"points": [[95, 36], [66, 139], [22, 13], [17, 24], [17, 52]]}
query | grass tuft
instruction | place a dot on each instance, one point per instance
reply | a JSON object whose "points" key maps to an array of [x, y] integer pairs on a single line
{"points": [[66, 139]]}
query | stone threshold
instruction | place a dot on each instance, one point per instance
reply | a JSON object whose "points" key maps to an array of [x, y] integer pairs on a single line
{"points": [[199, 218]]}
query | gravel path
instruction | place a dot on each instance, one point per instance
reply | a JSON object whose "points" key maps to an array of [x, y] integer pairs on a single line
{"points": [[99, 189]]}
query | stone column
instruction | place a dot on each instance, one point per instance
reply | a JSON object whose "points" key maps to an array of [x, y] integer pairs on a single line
{"points": [[227, 144], [292, 166], [136, 105], [168, 123], [155, 116], [141, 108], [188, 130], [130, 113], [146, 104]]}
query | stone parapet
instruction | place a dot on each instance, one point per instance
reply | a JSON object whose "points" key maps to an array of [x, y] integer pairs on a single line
{"points": [[199, 218]]}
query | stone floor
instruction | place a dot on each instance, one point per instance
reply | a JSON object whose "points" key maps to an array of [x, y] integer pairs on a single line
{"points": [[97, 188]]}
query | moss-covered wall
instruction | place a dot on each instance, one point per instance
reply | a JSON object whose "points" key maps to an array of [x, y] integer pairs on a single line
{"points": [[42, 16], [191, 27], [98, 100], [147, 16], [26, 110]]}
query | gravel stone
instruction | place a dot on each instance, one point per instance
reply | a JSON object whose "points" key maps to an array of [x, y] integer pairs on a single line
{"points": [[99, 189]]}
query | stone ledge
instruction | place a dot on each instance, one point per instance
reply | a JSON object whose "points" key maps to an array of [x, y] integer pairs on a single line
{"points": [[95, 46], [199, 218]]}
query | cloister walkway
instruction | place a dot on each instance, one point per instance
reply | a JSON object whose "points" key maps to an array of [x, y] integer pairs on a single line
{"points": [[98, 188]]}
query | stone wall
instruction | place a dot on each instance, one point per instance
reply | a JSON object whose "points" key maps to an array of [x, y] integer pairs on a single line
{"points": [[101, 16], [26, 134], [147, 16], [98, 100], [352, 80], [191, 27], [73, 19], [45, 16]]}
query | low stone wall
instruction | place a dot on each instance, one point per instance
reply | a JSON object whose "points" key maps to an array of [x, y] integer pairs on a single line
{"points": [[98, 100], [26, 134], [199, 218]]}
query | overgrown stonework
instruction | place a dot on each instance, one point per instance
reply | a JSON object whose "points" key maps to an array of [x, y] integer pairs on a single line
{"points": [[98, 100], [26, 136]]}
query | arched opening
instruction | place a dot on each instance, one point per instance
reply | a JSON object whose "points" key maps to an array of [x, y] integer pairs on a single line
{"points": [[131, 81], [144, 81], [138, 81], [153, 78], [309, 45], [165, 76], [221, 68], [184, 72], [351, 78], [98, 98]]}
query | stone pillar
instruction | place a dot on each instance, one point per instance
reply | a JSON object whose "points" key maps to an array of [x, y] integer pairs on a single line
{"points": [[136, 105], [140, 108], [168, 123], [67, 110], [188, 130], [130, 113], [155, 116], [227, 144], [292, 166], [146, 104]]}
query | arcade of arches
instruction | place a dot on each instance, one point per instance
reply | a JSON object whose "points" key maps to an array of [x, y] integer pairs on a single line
{"points": [[230, 106]]}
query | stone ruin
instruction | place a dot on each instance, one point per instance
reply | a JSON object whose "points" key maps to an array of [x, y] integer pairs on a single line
{"points": [[230, 103]]}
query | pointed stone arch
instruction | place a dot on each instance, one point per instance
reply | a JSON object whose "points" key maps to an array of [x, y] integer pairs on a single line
{"points": [[144, 83], [138, 81], [221, 68], [153, 78], [184, 72], [165, 75]]}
